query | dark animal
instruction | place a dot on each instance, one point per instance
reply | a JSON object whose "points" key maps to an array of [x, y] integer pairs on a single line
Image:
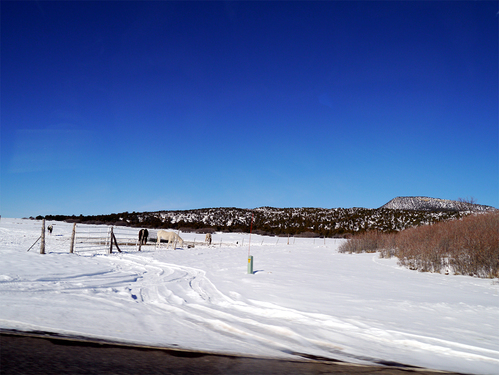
{"points": [[50, 228], [143, 234]]}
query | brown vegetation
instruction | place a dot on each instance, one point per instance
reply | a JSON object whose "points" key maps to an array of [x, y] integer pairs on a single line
{"points": [[469, 246]]}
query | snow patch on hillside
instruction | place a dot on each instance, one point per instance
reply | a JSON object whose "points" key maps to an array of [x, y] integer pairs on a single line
{"points": [[434, 204]]}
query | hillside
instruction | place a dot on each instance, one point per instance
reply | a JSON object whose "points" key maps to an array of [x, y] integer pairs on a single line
{"points": [[434, 204], [298, 221], [398, 214]]}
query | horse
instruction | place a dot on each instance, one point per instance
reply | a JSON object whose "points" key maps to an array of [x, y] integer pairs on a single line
{"points": [[143, 234], [171, 237], [208, 238], [50, 228]]}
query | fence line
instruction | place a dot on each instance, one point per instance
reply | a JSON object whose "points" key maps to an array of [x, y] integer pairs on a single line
{"points": [[102, 239], [97, 238]]}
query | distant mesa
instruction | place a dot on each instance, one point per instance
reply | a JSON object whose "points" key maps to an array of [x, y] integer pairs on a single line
{"points": [[434, 204]]}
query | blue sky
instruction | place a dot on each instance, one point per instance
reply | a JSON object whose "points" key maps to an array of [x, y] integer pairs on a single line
{"points": [[116, 106]]}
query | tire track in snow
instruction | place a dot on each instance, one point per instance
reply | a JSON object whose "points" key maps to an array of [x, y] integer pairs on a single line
{"points": [[188, 293]]}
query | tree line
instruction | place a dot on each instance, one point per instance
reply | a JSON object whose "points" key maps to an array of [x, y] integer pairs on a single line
{"points": [[339, 222]]}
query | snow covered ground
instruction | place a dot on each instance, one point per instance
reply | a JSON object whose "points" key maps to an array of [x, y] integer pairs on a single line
{"points": [[304, 298]]}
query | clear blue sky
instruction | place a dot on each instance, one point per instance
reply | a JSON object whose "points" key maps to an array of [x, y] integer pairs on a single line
{"points": [[117, 106]]}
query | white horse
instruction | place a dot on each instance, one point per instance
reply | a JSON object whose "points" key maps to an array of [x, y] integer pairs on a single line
{"points": [[171, 237], [207, 238]]}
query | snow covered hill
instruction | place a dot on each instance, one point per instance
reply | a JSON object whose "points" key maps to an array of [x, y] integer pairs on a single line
{"points": [[308, 222], [398, 214], [434, 204]]}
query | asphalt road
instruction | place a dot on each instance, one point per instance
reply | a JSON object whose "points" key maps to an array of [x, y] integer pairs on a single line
{"points": [[40, 353]]}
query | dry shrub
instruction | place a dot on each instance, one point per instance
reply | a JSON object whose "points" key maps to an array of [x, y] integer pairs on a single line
{"points": [[308, 235], [422, 248], [469, 246], [366, 242], [475, 249]]}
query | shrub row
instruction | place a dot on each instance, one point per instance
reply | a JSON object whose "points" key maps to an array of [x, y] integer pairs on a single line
{"points": [[469, 246]]}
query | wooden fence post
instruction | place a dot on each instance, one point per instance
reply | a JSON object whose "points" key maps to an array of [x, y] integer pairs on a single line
{"points": [[116, 243], [42, 245], [71, 246], [109, 236], [140, 239], [111, 241], [34, 243]]}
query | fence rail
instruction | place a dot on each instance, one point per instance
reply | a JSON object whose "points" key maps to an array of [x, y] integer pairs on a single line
{"points": [[91, 238]]}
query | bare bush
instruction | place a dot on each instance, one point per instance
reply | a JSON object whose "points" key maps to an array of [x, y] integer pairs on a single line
{"points": [[367, 242], [468, 246], [308, 235], [205, 230], [469, 200]]}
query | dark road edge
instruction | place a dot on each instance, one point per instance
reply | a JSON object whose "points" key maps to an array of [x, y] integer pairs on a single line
{"points": [[75, 340]]}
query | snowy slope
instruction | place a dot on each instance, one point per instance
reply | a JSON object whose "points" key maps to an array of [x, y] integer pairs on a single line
{"points": [[304, 298], [278, 221], [433, 204]]}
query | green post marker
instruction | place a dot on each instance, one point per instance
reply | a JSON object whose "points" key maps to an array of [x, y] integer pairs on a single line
{"points": [[250, 257], [250, 264]]}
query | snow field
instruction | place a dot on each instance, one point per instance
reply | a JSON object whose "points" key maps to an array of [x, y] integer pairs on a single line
{"points": [[303, 299]]}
